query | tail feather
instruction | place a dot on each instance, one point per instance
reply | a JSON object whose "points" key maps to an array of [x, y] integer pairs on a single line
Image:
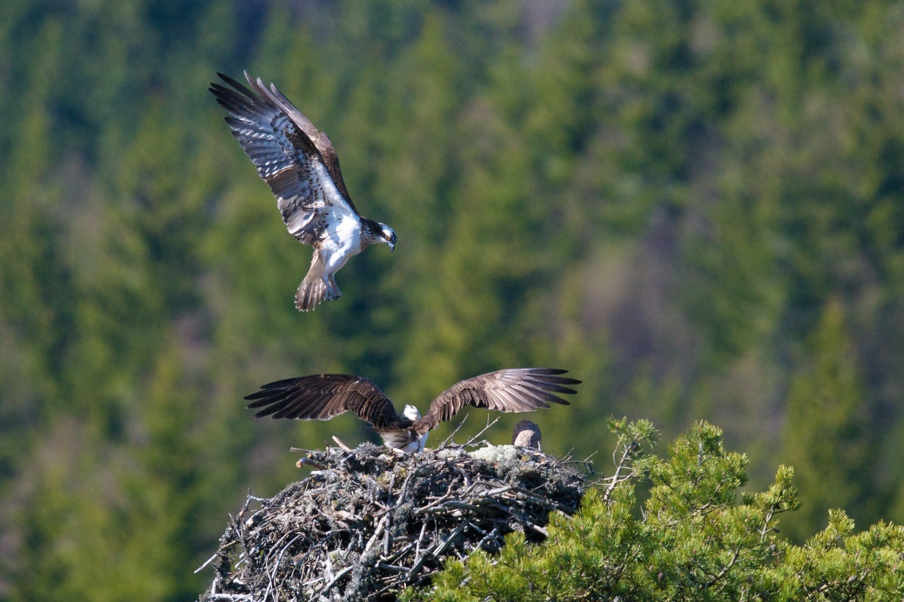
{"points": [[314, 289], [309, 294]]}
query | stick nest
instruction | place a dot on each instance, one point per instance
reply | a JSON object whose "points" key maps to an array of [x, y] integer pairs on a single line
{"points": [[369, 522]]}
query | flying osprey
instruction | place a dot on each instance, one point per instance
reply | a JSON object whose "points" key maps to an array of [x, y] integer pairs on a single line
{"points": [[300, 166], [322, 396]]}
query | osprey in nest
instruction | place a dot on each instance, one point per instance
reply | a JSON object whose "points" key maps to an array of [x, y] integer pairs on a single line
{"points": [[322, 396], [301, 167], [526, 434]]}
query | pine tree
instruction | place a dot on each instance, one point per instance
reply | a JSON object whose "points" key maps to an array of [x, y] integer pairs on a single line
{"points": [[696, 538], [826, 436]]}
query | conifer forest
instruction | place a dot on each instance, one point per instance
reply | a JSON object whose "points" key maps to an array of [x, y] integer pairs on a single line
{"points": [[694, 206]]}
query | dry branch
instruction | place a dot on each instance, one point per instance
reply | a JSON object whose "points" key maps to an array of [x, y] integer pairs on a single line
{"points": [[368, 523]]}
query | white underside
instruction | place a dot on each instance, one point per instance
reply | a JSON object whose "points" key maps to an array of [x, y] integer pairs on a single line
{"points": [[412, 414], [415, 446], [341, 241]]}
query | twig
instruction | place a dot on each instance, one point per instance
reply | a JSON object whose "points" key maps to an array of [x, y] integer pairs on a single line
{"points": [[276, 564], [341, 444], [539, 529], [212, 558], [436, 502], [385, 542], [446, 441], [335, 579], [725, 569], [439, 549], [418, 559], [627, 455], [400, 553], [471, 442], [494, 533], [379, 530], [309, 462]]}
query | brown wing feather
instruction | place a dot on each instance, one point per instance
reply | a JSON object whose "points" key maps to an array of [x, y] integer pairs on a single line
{"points": [[322, 396], [290, 155], [320, 140], [512, 390]]}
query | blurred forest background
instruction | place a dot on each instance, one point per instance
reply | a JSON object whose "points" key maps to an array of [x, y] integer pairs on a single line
{"points": [[695, 206]]}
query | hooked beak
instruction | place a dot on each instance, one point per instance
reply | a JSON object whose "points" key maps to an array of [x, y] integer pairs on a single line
{"points": [[388, 236]]}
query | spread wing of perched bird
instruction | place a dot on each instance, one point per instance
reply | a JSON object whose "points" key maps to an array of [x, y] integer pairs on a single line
{"points": [[301, 168], [322, 396], [526, 434]]}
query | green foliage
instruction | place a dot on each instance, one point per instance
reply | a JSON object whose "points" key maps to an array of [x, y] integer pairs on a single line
{"points": [[825, 435], [697, 537], [694, 206]]}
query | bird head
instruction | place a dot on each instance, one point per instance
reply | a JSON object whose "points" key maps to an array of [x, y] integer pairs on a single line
{"points": [[387, 235], [411, 412], [527, 434]]}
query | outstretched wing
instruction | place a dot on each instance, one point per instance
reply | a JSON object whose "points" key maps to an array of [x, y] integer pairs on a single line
{"points": [[322, 396], [296, 160], [513, 390]]}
